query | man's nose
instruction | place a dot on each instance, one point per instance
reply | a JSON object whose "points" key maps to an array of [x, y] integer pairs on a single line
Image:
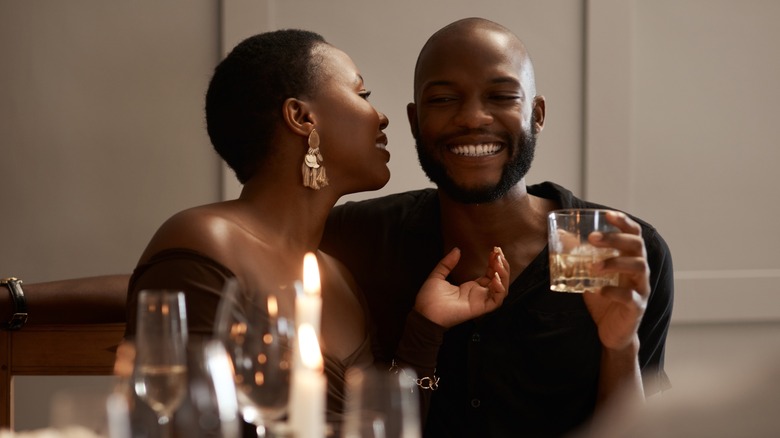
{"points": [[473, 114]]}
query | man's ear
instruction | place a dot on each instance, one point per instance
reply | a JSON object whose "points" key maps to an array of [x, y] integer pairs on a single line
{"points": [[539, 113], [411, 114], [297, 116]]}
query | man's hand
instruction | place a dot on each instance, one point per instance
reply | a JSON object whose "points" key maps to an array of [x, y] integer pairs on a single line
{"points": [[618, 310], [449, 305]]}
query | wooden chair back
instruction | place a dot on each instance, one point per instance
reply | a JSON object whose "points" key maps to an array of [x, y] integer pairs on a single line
{"points": [[73, 328]]}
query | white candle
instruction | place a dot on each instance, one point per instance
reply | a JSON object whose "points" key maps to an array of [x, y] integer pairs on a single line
{"points": [[309, 387], [308, 304]]}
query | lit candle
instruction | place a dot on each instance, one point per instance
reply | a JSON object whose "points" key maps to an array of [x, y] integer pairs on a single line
{"points": [[273, 306], [307, 400], [308, 305]]}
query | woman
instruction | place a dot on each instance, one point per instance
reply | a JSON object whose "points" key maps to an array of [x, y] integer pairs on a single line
{"points": [[289, 114]]}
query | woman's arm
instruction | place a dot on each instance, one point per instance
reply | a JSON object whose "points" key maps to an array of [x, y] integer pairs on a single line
{"points": [[440, 305]]}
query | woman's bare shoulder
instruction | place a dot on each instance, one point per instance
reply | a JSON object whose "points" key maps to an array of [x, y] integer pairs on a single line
{"points": [[208, 229], [337, 271]]}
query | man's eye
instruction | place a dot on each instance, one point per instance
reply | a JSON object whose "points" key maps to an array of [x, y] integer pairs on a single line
{"points": [[364, 94], [505, 97], [440, 99]]}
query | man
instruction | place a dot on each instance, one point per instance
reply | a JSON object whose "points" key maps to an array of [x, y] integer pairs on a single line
{"points": [[545, 361]]}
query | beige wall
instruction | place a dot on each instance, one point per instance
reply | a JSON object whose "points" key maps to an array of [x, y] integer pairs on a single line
{"points": [[101, 131], [101, 138], [681, 105]]}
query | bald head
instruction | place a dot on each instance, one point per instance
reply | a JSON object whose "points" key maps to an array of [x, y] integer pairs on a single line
{"points": [[474, 37]]}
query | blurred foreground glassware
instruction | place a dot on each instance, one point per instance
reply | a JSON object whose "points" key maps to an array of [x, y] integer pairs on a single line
{"points": [[381, 404], [257, 330], [210, 409], [160, 370]]}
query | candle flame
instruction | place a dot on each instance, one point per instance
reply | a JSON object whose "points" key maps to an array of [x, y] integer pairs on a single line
{"points": [[311, 274], [309, 347], [273, 306]]}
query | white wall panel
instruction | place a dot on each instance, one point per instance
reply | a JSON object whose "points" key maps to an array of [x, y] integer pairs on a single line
{"points": [[688, 142]]}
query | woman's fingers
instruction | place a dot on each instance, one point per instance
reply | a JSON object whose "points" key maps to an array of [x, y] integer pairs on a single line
{"points": [[445, 265]]}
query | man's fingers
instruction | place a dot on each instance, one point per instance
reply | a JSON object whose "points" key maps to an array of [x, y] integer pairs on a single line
{"points": [[626, 297], [623, 222]]}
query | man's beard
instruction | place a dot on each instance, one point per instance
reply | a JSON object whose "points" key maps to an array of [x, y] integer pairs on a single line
{"points": [[515, 169]]}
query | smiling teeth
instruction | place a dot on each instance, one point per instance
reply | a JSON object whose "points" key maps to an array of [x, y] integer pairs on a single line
{"points": [[381, 146], [476, 150]]}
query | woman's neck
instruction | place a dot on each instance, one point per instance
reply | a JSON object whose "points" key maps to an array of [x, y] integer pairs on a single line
{"points": [[288, 217]]}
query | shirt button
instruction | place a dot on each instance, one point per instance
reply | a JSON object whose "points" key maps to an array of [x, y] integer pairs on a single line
{"points": [[475, 403], [475, 337]]}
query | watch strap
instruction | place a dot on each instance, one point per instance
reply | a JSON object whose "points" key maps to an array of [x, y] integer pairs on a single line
{"points": [[19, 317]]}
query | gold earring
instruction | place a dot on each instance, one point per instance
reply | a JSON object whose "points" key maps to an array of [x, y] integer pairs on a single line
{"points": [[313, 171]]}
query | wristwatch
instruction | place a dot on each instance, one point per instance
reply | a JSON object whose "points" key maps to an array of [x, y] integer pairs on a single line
{"points": [[19, 317]]}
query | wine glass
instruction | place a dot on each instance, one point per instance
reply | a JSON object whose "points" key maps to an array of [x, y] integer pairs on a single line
{"points": [[160, 371], [381, 404], [257, 330], [210, 408]]}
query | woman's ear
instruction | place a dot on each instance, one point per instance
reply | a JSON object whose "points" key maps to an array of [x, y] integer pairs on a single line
{"points": [[297, 116]]}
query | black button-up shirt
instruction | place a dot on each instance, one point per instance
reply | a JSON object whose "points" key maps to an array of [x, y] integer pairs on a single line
{"points": [[530, 368]]}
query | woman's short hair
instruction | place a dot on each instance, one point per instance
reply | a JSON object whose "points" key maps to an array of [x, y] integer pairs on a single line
{"points": [[245, 95]]}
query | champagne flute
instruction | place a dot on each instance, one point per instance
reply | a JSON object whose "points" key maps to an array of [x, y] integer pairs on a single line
{"points": [[381, 404], [256, 327], [160, 371]]}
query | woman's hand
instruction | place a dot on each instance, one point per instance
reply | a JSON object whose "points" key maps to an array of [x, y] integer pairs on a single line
{"points": [[447, 305]]}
